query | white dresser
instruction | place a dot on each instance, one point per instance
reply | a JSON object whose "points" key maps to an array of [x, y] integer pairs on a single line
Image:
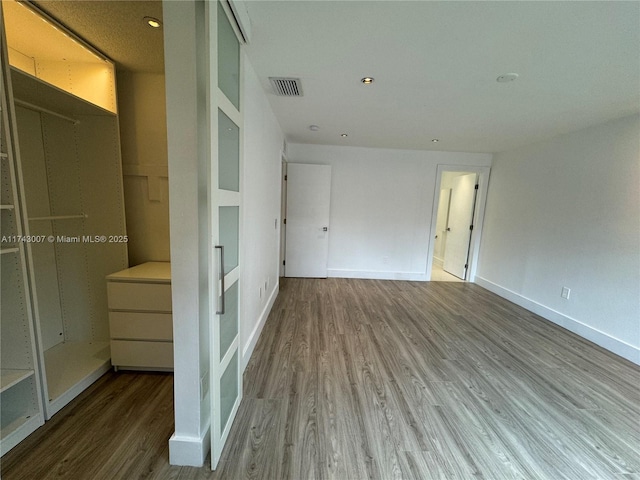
{"points": [[141, 327]]}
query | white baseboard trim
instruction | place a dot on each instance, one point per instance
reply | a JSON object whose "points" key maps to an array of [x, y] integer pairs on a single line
{"points": [[438, 261], [189, 451], [257, 330], [594, 335], [372, 275]]}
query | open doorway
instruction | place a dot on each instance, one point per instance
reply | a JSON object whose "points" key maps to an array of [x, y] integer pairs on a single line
{"points": [[458, 207]]}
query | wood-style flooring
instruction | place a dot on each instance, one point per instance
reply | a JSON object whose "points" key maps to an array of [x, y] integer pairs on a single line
{"points": [[359, 379]]}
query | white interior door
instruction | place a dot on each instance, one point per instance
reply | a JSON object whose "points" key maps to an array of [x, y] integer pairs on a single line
{"points": [[461, 207], [441, 224], [307, 237]]}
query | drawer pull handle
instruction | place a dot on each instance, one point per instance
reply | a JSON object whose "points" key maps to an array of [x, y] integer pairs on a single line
{"points": [[221, 273]]}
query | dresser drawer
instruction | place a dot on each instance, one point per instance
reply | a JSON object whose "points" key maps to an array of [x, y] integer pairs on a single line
{"points": [[149, 297], [141, 326], [131, 353]]}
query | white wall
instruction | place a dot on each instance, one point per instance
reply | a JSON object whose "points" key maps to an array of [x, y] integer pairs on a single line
{"points": [[381, 206], [448, 177], [263, 141], [186, 105], [143, 134], [566, 212]]}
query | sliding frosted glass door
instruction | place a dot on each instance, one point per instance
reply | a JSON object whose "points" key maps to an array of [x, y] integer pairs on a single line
{"points": [[226, 211]]}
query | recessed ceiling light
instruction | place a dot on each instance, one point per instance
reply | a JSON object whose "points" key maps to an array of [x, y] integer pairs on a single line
{"points": [[153, 22], [367, 80], [435, 140], [314, 128], [507, 77], [344, 135]]}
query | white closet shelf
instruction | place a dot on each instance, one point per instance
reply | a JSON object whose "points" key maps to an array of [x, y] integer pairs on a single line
{"points": [[14, 432], [32, 90], [73, 366], [7, 207], [4, 155], [4, 251], [31, 106], [13, 426], [9, 377]]}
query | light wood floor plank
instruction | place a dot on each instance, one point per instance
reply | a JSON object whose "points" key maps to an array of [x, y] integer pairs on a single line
{"points": [[370, 379]]}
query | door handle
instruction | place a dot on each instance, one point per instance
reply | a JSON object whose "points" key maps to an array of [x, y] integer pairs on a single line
{"points": [[221, 275], [324, 229]]}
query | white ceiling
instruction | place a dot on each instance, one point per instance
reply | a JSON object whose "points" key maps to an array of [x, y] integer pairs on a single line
{"points": [[435, 65]]}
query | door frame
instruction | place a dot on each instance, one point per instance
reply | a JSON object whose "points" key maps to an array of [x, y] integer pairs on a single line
{"points": [[283, 215], [478, 215]]}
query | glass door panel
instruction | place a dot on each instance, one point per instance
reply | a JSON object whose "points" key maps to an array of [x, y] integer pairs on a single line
{"points": [[228, 59], [228, 154], [229, 320], [228, 392], [229, 236]]}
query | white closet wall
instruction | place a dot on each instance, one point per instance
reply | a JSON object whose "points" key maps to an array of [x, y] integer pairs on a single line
{"points": [[44, 258]]}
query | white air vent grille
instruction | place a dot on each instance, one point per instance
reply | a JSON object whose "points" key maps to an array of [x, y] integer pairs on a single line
{"points": [[286, 87]]}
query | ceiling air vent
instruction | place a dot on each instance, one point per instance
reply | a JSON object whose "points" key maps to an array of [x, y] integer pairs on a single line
{"points": [[286, 87]]}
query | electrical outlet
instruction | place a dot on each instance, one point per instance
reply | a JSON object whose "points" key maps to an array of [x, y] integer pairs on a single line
{"points": [[566, 291]]}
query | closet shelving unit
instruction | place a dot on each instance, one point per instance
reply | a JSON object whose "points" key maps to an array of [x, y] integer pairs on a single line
{"points": [[20, 388], [71, 168], [70, 175]]}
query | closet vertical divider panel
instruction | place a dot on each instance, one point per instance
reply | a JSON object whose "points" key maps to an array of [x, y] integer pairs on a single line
{"points": [[43, 254], [61, 284], [21, 405]]}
